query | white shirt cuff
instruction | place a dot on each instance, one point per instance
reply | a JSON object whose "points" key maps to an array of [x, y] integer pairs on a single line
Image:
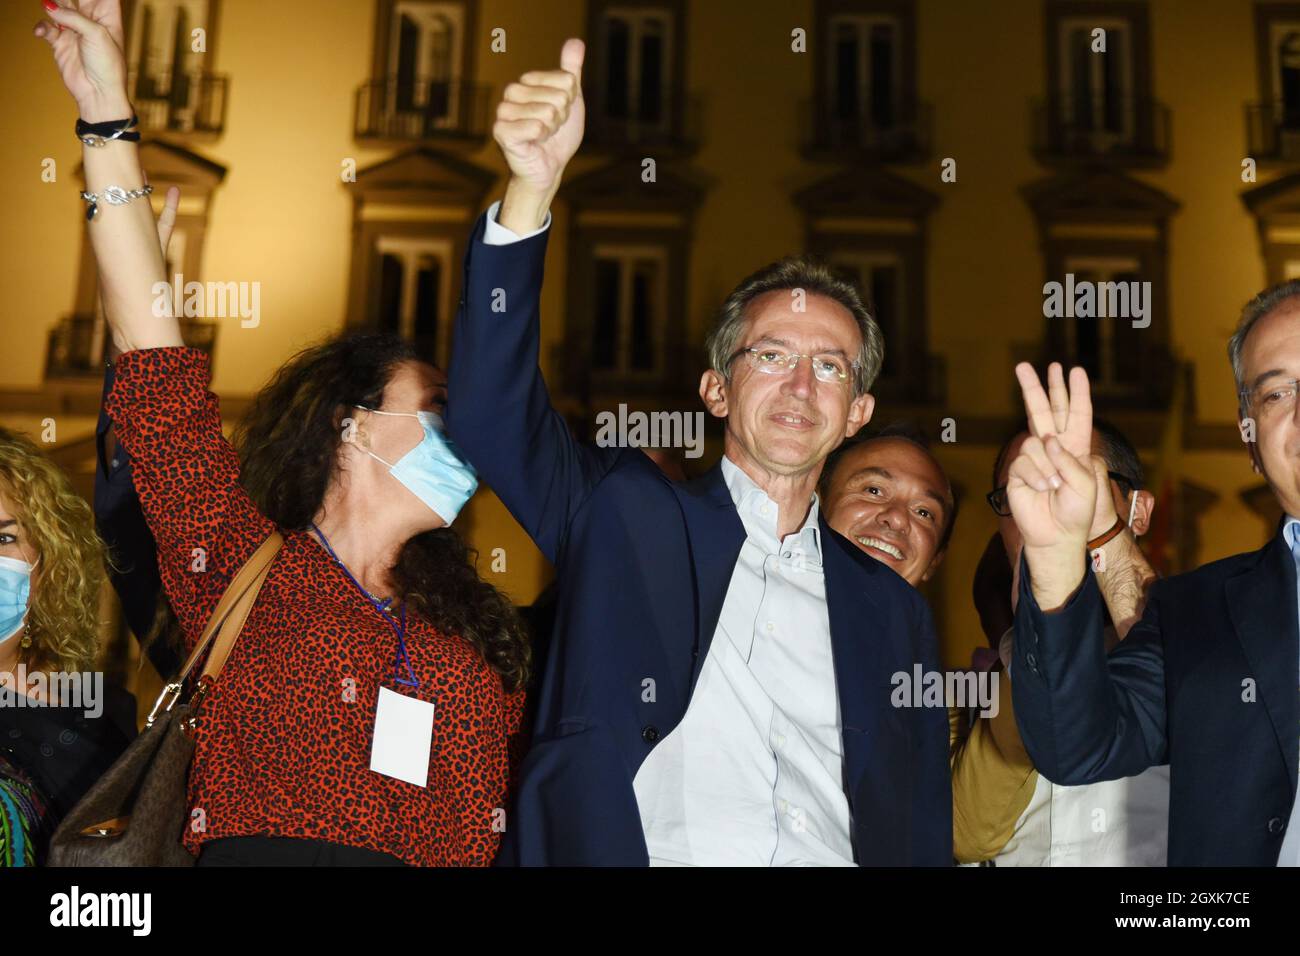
{"points": [[1006, 649], [495, 234]]}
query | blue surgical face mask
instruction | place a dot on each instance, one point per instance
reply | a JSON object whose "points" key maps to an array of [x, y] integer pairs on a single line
{"points": [[15, 589], [433, 470]]}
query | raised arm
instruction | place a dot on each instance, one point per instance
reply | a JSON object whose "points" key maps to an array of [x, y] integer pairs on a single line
{"points": [[87, 48], [184, 471], [1083, 715], [499, 411]]}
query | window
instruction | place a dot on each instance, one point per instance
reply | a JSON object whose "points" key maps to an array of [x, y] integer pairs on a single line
{"points": [[1284, 72], [878, 276], [866, 69], [414, 296], [1102, 231], [1273, 123], [412, 215], [634, 81], [636, 47], [630, 309], [870, 226], [171, 83], [417, 86], [1096, 89], [864, 102], [424, 52], [1100, 345], [1099, 102]]}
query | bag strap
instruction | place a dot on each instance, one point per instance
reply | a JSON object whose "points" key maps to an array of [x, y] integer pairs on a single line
{"points": [[226, 622]]}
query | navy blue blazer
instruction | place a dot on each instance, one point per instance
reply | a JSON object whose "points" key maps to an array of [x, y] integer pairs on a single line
{"points": [[643, 564], [1205, 682], [120, 521]]}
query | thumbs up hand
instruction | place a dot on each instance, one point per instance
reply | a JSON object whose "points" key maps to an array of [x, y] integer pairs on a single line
{"points": [[539, 125]]}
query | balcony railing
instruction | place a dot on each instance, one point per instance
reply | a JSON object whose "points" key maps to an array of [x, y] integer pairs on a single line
{"points": [[678, 126], [181, 103], [1273, 131], [77, 343], [862, 129], [1130, 130], [410, 111]]}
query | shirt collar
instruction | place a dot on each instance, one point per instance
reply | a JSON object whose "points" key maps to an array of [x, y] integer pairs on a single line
{"points": [[751, 500], [1291, 533]]}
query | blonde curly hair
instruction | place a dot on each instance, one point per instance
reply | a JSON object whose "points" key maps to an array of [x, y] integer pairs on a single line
{"points": [[66, 584]]}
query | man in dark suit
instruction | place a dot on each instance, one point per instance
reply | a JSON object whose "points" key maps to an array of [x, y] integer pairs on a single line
{"points": [[1206, 681], [718, 687]]}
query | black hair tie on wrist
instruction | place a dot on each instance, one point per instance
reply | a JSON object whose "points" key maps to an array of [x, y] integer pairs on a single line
{"points": [[97, 134]]}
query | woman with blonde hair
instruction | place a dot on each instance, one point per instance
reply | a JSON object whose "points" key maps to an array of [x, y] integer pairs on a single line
{"points": [[60, 726]]}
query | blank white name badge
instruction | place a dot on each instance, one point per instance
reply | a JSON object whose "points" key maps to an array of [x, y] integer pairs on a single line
{"points": [[403, 737]]}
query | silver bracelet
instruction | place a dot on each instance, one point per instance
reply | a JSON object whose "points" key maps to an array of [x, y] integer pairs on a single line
{"points": [[114, 196]]}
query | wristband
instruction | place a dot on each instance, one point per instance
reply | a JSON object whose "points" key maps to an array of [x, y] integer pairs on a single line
{"points": [[97, 134], [1105, 537]]}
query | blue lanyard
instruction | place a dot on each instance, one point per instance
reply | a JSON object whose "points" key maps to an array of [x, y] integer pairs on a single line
{"points": [[382, 608]]}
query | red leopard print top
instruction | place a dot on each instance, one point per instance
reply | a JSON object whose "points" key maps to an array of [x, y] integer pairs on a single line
{"points": [[283, 747]]}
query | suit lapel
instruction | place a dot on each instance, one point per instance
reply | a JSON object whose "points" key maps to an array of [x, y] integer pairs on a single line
{"points": [[861, 652], [1262, 604], [716, 536]]}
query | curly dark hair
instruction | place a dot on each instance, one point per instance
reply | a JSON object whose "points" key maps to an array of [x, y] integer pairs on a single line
{"points": [[288, 448]]}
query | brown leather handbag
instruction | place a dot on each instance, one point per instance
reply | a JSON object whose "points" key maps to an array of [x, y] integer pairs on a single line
{"points": [[136, 813]]}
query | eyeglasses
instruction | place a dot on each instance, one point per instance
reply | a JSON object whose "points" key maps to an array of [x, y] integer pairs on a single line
{"points": [[997, 498], [774, 360], [1270, 397]]}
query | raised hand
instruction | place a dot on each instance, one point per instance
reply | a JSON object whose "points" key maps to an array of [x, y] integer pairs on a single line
{"points": [[1061, 412], [1052, 495], [539, 127], [88, 45], [1052, 485]]}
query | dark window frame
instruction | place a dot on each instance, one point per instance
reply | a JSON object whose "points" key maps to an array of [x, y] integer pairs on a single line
{"points": [[676, 103]]}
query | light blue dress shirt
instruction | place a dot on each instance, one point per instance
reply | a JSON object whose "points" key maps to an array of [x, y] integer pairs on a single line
{"points": [[1290, 855]]}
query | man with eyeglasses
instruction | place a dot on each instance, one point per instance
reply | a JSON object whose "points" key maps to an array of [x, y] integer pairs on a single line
{"points": [[1206, 681], [1004, 812], [717, 688]]}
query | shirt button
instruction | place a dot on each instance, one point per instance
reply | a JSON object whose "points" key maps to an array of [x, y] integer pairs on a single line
{"points": [[770, 627], [114, 463], [779, 741], [1275, 825], [785, 805], [1031, 660], [765, 511], [650, 733]]}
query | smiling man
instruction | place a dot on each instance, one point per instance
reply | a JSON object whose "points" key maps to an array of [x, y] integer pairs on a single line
{"points": [[717, 688], [889, 496]]}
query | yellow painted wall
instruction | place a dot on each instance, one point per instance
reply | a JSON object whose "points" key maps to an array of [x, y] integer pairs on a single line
{"points": [[283, 216]]}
